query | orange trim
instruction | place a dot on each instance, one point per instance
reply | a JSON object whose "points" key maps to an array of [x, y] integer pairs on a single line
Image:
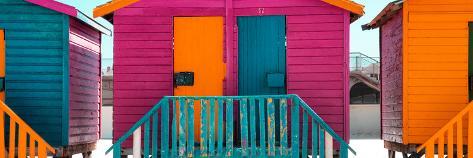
{"points": [[405, 65], [118, 4], [347, 5], [111, 7]]}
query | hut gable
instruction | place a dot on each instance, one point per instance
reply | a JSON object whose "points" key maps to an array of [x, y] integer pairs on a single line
{"points": [[49, 45], [434, 62], [317, 54]]}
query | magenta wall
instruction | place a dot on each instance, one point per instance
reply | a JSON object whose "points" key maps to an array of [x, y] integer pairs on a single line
{"points": [[317, 54], [391, 79], [85, 83]]}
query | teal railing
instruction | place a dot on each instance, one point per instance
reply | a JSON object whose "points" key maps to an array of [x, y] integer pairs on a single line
{"points": [[217, 111]]}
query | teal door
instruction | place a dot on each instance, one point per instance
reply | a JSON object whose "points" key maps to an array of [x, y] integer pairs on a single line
{"points": [[261, 55], [262, 60]]}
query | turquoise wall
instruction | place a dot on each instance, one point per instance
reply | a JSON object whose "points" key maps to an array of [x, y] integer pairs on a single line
{"points": [[36, 71]]}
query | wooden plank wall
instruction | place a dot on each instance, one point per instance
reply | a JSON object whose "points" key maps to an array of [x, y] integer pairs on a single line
{"points": [[437, 64], [391, 79], [317, 49], [34, 66], [85, 83]]}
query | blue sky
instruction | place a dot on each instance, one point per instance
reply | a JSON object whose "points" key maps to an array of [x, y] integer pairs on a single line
{"points": [[360, 41], [366, 42]]}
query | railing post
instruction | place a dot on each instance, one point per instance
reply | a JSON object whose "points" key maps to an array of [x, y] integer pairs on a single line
{"points": [[343, 151], [174, 129], [271, 127], [262, 124], [164, 129], [190, 127], [182, 127], [220, 126], [137, 143], [253, 125], [229, 129], [116, 151], [283, 125], [315, 138], [328, 145], [460, 137], [295, 128], [212, 128], [305, 130], [11, 151], [203, 127], [244, 126]]}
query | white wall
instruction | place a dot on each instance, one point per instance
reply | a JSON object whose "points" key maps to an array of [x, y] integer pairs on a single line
{"points": [[365, 121], [106, 132]]}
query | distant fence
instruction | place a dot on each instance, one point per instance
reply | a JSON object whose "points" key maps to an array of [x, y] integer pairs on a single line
{"points": [[365, 64], [360, 61]]}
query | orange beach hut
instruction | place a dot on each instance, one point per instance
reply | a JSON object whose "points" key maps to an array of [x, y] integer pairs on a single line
{"points": [[427, 71]]}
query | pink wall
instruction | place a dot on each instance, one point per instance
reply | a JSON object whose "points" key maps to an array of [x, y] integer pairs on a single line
{"points": [[391, 67], [317, 53], [85, 83]]}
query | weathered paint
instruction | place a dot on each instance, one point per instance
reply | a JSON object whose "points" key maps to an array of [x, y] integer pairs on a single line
{"points": [[434, 67], [84, 83], [391, 79], [270, 149], [316, 51], [198, 50]]}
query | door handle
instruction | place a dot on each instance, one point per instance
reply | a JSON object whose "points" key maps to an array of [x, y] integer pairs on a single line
{"points": [[183, 79]]}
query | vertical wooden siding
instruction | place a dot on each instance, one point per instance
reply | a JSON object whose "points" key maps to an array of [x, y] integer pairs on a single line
{"points": [[85, 83], [437, 64], [143, 54], [34, 67], [391, 80]]}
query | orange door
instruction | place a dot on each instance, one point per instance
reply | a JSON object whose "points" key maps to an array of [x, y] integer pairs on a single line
{"points": [[198, 48], [2, 65]]}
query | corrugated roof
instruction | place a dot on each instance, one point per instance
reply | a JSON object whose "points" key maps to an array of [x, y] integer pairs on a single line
{"points": [[385, 15]]}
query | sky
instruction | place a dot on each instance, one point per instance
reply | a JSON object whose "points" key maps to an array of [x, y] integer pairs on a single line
{"points": [[360, 41], [366, 42]]}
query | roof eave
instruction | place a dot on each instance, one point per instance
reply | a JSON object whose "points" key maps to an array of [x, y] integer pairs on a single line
{"points": [[73, 12], [112, 6], [356, 10], [385, 15]]}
